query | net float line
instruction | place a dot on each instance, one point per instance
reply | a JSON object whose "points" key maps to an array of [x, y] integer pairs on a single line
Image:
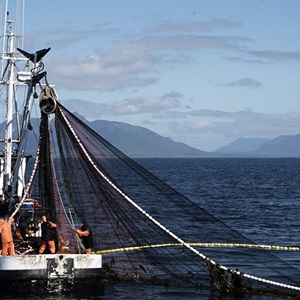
{"points": [[205, 245]]}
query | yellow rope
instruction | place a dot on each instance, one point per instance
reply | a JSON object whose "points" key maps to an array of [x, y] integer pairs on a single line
{"points": [[207, 245]]}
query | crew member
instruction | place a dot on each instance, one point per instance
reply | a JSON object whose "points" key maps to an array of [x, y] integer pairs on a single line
{"points": [[48, 235], [7, 237], [86, 236], [23, 232]]}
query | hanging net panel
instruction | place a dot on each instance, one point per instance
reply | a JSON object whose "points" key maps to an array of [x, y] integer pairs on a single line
{"points": [[145, 230]]}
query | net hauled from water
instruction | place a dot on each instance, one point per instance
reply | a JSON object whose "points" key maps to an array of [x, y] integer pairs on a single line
{"points": [[146, 230]]}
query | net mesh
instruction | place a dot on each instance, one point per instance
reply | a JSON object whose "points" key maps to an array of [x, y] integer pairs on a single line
{"points": [[145, 230]]}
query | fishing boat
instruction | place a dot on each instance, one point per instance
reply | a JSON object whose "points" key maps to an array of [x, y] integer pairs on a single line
{"points": [[144, 231], [16, 198]]}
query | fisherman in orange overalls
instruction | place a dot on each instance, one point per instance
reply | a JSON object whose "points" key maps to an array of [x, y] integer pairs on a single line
{"points": [[6, 237]]}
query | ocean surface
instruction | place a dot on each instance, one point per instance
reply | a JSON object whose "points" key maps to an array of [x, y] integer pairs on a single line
{"points": [[258, 197]]}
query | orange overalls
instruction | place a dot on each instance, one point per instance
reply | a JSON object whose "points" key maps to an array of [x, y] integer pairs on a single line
{"points": [[6, 237]]}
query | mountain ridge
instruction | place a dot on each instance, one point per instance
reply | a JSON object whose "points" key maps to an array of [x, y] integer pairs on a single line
{"points": [[281, 146], [137, 141], [140, 142], [134, 141]]}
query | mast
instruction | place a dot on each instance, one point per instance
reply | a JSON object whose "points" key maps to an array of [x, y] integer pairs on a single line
{"points": [[9, 169], [9, 109], [13, 160]]}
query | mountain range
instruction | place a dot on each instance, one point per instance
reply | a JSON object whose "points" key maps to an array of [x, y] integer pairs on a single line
{"points": [[281, 146], [136, 141]]}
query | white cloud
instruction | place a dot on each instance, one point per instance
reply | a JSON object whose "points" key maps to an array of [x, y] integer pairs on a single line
{"points": [[128, 106], [117, 62]]}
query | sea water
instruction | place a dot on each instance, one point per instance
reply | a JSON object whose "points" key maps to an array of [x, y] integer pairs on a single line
{"points": [[259, 197]]}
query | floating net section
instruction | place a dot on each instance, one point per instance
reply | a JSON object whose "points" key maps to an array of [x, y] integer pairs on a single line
{"points": [[147, 231]]}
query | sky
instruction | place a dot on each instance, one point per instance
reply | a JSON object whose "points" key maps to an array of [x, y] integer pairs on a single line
{"points": [[202, 72]]}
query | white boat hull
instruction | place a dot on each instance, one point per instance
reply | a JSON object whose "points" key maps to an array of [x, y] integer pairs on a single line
{"points": [[50, 269]]}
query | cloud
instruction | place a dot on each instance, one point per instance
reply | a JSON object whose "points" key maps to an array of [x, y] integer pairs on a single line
{"points": [[277, 56], [130, 60], [194, 26], [244, 82], [235, 124], [104, 71], [129, 106], [148, 104], [190, 42], [167, 116], [131, 65], [61, 38], [265, 56], [166, 111]]}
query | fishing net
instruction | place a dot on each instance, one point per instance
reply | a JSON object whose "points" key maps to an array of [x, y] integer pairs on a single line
{"points": [[145, 230]]}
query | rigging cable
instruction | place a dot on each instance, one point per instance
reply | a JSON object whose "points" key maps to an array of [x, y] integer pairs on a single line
{"points": [[26, 192]]}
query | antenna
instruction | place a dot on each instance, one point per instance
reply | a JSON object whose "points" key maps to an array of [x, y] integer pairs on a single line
{"points": [[14, 16], [11, 37]]}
